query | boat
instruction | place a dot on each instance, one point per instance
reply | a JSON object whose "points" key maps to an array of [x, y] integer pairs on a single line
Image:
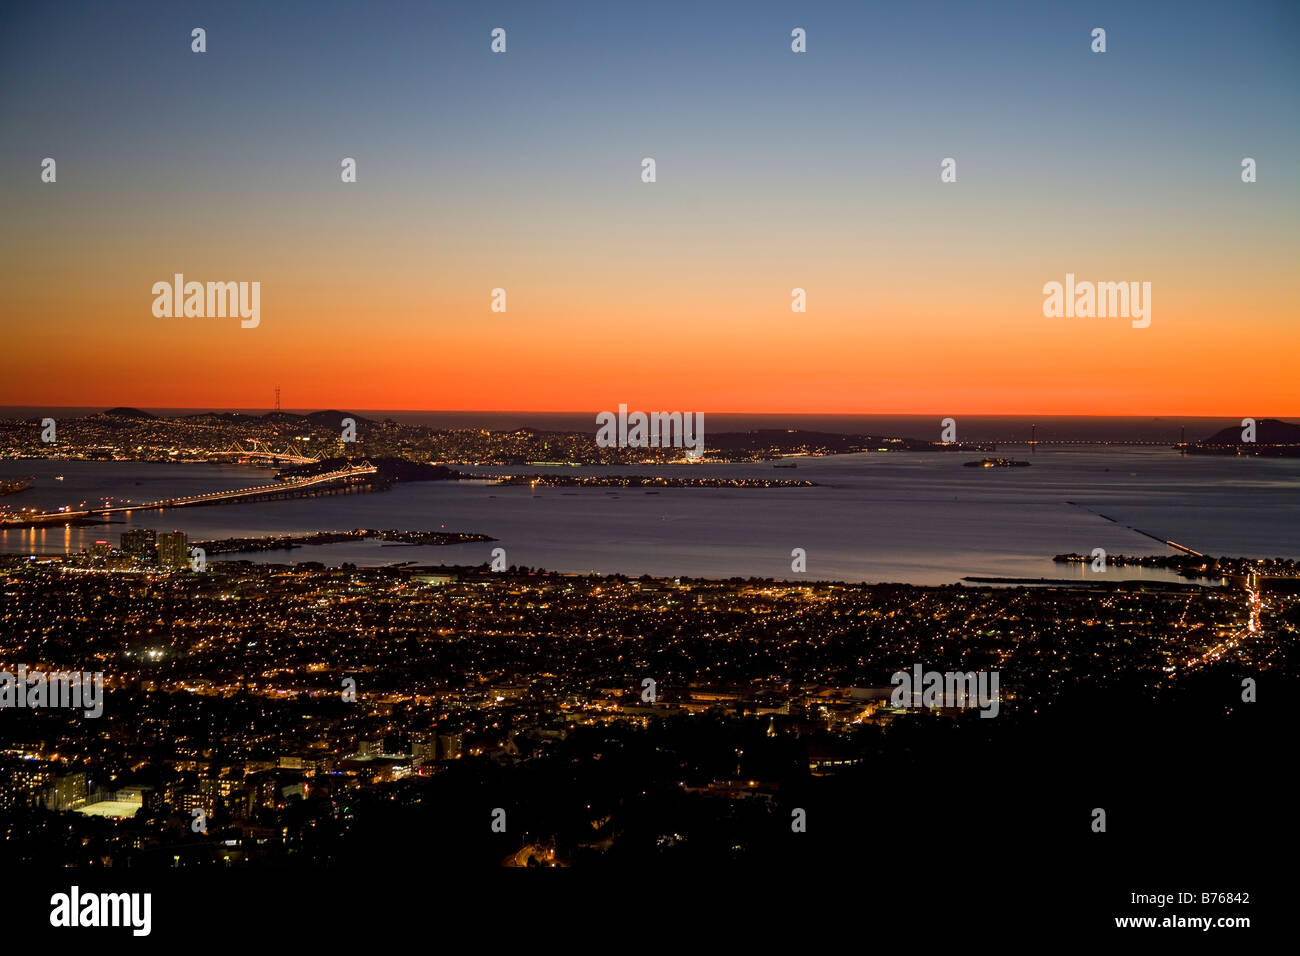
{"points": [[58, 477], [13, 486]]}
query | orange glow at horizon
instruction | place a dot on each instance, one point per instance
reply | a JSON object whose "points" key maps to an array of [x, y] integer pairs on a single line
{"points": [[885, 332]]}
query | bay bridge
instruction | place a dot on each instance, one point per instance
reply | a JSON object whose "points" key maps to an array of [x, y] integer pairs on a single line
{"points": [[346, 480], [291, 453]]}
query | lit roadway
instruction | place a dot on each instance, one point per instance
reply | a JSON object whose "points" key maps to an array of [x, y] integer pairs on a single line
{"points": [[1254, 605], [215, 497]]}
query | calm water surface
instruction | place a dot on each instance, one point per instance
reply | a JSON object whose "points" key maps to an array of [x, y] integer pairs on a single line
{"points": [[918, 518]]}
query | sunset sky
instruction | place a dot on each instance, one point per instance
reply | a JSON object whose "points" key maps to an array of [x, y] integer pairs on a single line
{"points": [[775, 170]]}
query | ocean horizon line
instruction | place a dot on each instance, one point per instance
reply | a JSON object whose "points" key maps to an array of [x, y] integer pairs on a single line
{"points": [[308, 410]]}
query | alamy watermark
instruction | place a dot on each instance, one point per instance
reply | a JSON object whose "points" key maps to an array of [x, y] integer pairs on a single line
{"points": [[74, 908], [179, 298], [76, 689], [653, 430], [922, 688], [1098, 300]]}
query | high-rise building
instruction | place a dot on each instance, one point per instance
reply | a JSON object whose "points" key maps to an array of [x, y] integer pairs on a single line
{"points": [[449, 746], [173, 549], [66, 792], [424, 747], [24, 783], [100, 549], [140, 542]]}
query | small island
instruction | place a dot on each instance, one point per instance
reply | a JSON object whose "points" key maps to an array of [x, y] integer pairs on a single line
{"points": [[635, 481], [1194, 565], [997, 463], [285, 542]]}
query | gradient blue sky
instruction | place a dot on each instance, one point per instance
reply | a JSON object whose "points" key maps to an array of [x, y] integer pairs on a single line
{"points": [[775, 170]]}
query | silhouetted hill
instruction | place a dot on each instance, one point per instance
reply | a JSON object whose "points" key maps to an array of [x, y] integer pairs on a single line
{"points": [[123, 412], [228, 417], [796, 440], [1273, 439], [330, 418], [282, 418], [1268, 431]]}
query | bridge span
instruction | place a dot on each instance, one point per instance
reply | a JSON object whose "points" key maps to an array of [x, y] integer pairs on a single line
{"points": [[342, 480]]}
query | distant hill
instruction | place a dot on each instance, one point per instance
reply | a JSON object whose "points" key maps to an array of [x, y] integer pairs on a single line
{"points": [[1268, 431], [795, 440], [228, 417], [122, 412], [326, 419], [331, 418]]}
